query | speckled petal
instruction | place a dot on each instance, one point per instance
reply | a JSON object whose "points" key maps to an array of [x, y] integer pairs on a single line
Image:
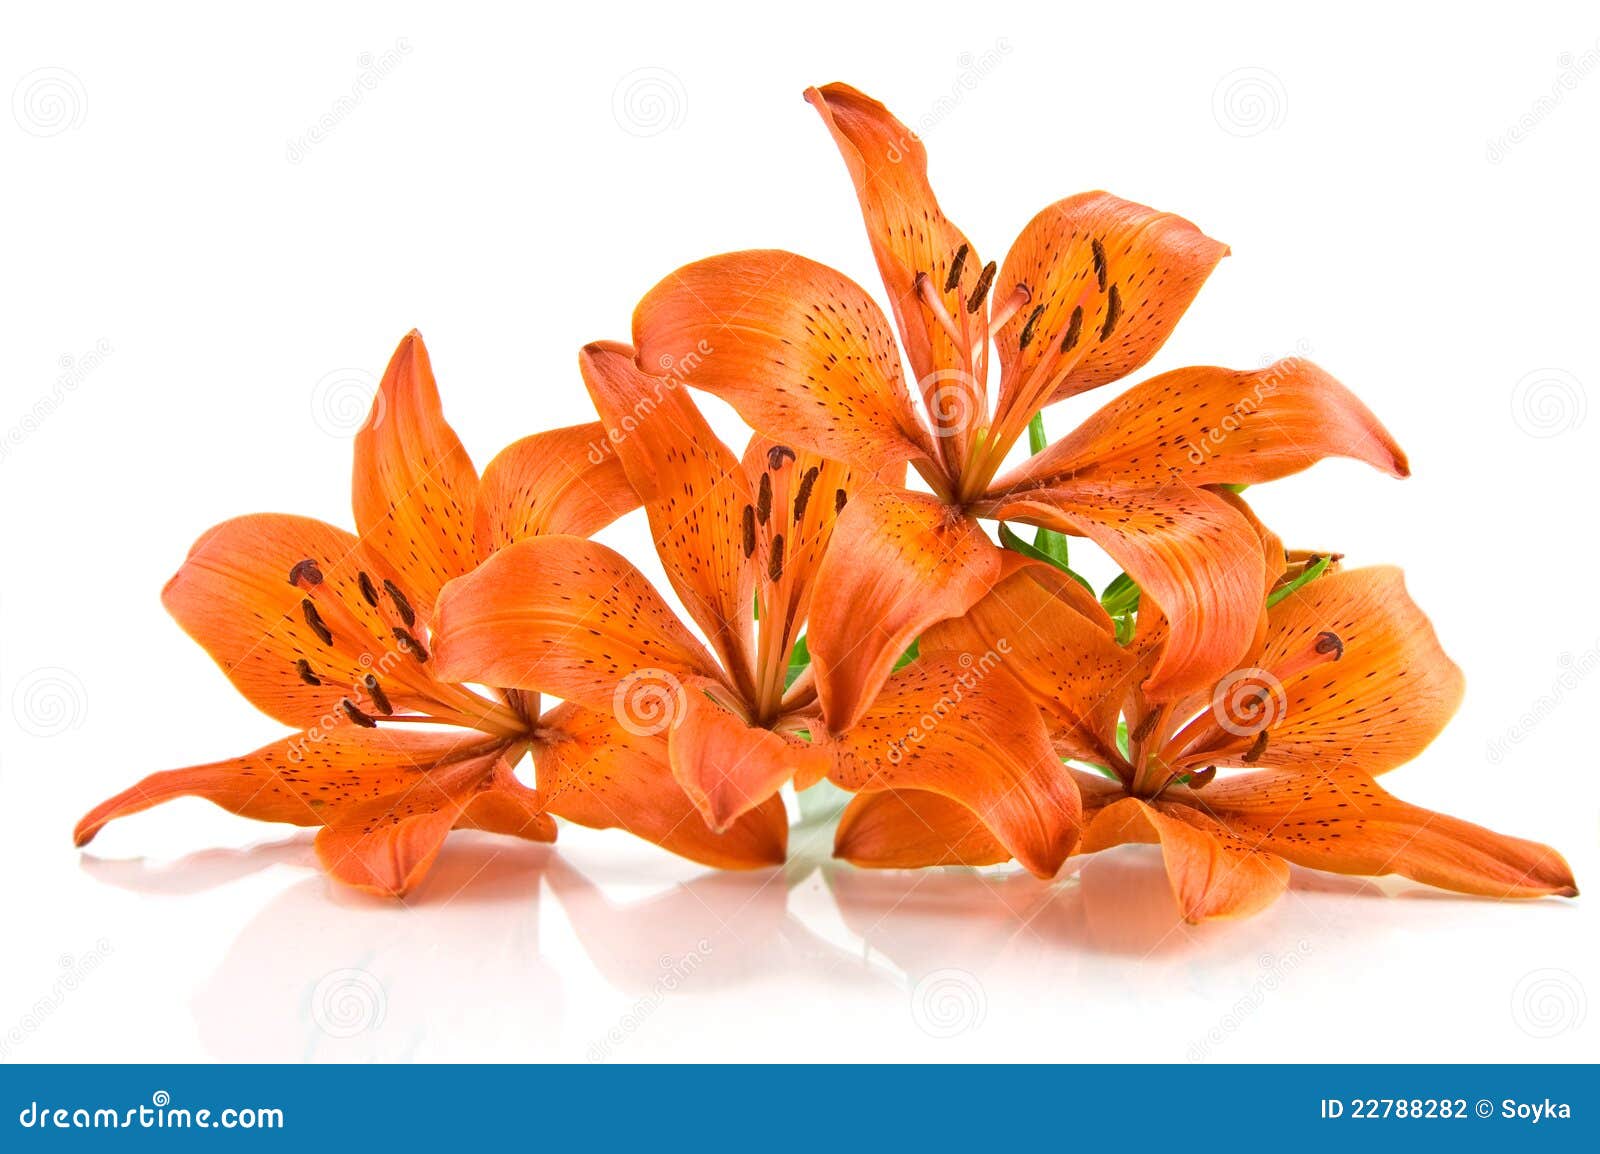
{"points": [[568, 617], [307, 779], [899, 562], [1390, 693], [960, 726], [563, 481], [1058, 641], [597, 773], [908, 231], [1213, 873], [797, 348], [1191, 552], [1207, 426], [415, 490], [233, 595], [1135, 268], [1340, 819], [694, 491]]}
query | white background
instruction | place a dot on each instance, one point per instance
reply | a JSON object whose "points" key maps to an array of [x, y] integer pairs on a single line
{"points": [[1410, 200]]}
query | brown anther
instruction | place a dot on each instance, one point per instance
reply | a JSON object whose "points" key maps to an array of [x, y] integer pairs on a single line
{"points": [[409, 644], [1074, 330], [379, 697], [1145, 727], [775, 559], [307, 674], [306, 571], [355, 714], [314, 620], [401, 605], [1202, 778], [980, 291], [369, 591], [777, 455], [1113, 311], [1257, 748], [749, 530], [840, 498], [1027, 329], [1330, 643], [956, 263], [802, 496], [764, 499], [1099, 252]]}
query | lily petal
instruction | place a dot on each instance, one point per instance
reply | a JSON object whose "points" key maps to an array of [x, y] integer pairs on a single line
{"points": [[301, 780], [386, 845], [415, 490], [1213, 873], [694, 491], [1192, 553], [564, 616], [1208, 426], [1059, 643], [908, 231], [595, 772], [563, 481], [797, 348], [1390, 693], [729, 768], [233, 596], [1341, 820], [964, 728], [507, 807], [1108, 280], [900, 561], [913, 829]]}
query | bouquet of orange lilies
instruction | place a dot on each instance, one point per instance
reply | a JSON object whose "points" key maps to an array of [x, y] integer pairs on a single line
{"points": [[1224, 698]]}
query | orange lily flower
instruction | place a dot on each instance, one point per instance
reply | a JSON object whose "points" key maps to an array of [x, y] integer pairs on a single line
{"points": [[1088, 293], [331, 633], [1346, 682], [574, 618]]}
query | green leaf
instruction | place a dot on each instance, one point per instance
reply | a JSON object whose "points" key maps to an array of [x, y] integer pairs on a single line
{"points": [[799, 660], [1122, 738], [1121, 597], [1053, 545], [909, 655], [1016, 544], [1310, 573], [1036, 438]]}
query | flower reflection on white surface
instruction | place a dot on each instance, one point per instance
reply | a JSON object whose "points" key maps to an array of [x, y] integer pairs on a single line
{"points": [[601, 949]]}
